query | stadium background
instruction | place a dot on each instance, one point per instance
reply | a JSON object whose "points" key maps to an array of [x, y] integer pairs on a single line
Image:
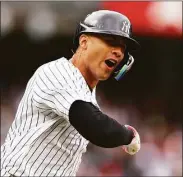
{"points": [[149, 97]]}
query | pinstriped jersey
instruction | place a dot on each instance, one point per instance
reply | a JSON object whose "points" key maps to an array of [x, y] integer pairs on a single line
{"points": [[41, 141]]}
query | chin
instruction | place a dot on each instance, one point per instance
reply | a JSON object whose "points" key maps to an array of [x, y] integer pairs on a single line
{"points": [[104, 77]]}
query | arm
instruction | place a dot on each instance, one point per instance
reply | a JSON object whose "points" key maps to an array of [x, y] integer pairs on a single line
{"points": [[97, 127]]}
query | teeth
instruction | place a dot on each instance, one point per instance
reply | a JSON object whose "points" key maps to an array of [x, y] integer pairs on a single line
{"points": [[113, 61]]}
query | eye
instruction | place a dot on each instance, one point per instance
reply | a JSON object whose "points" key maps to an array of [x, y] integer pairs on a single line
{"points": [[114, 42]]}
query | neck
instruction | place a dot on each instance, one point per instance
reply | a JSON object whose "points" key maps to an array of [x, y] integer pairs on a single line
{"points": [[78, 62]]}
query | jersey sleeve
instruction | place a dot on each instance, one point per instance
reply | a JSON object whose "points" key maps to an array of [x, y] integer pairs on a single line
{"points": [[51, 93], [97, 127]]}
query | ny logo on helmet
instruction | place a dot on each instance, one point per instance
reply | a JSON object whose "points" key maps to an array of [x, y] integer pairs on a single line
{"points": [[126, 27]]}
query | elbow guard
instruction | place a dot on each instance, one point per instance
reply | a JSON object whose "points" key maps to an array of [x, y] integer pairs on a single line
{"points": [[97, 127]]}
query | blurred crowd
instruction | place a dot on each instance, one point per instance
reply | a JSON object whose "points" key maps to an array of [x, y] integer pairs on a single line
{"points": [[45, 19], [161, 148]]}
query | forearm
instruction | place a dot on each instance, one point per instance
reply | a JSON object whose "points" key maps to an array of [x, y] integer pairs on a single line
{"points": [[97, 127]]}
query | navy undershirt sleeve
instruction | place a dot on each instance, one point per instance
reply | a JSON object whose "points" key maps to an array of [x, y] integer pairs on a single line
{"points": [[97, 127]]}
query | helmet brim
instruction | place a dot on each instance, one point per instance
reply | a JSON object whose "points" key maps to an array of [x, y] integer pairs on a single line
{"points": [[132, 44]]}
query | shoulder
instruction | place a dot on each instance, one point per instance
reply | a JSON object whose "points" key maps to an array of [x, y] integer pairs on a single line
{"points": [[59, 73], [62, 65], [52, 64]]}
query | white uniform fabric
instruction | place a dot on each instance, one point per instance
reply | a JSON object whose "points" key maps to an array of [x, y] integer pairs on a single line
{"points": [[41, 141]]}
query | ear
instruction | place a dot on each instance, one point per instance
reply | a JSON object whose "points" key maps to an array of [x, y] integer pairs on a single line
{"points": [[83, 41]]}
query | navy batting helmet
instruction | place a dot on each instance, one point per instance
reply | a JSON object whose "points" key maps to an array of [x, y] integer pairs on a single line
{"points": [[106, 22]]}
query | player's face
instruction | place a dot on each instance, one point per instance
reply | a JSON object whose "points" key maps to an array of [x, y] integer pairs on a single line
{"points": [[103, 55]]}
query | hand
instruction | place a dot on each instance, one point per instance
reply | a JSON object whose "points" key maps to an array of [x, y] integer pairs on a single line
{"points": [[134, 146]]}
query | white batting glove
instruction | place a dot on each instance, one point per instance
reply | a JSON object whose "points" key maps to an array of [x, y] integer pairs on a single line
{"points": [[134, 146]]}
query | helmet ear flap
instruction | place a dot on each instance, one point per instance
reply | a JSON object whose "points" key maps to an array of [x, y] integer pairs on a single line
{"points": [[76, 37], [124, 66]]}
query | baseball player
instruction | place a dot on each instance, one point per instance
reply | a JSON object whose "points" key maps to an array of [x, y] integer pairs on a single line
{"points": [[58, 114]]}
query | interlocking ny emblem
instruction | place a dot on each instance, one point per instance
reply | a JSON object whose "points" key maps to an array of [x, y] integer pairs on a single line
{"points": [[126, 27]]}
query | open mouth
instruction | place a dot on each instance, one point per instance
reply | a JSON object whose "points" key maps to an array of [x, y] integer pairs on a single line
{"points": [[110, 63]]}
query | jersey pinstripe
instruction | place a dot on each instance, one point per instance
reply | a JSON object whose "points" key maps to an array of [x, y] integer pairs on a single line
{"points": [[41, 141]]}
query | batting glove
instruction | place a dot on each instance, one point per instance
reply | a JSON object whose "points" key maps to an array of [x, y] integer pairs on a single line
{"points": [[134, 146]]}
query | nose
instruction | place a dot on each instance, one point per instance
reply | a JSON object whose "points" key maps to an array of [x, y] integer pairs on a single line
{"points": [[117, 53]]}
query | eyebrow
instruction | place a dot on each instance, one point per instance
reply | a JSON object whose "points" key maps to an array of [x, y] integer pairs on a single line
{"points": [[114, 40]]}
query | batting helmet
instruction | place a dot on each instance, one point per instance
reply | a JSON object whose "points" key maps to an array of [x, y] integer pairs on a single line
{"points": [[110, 23]]}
